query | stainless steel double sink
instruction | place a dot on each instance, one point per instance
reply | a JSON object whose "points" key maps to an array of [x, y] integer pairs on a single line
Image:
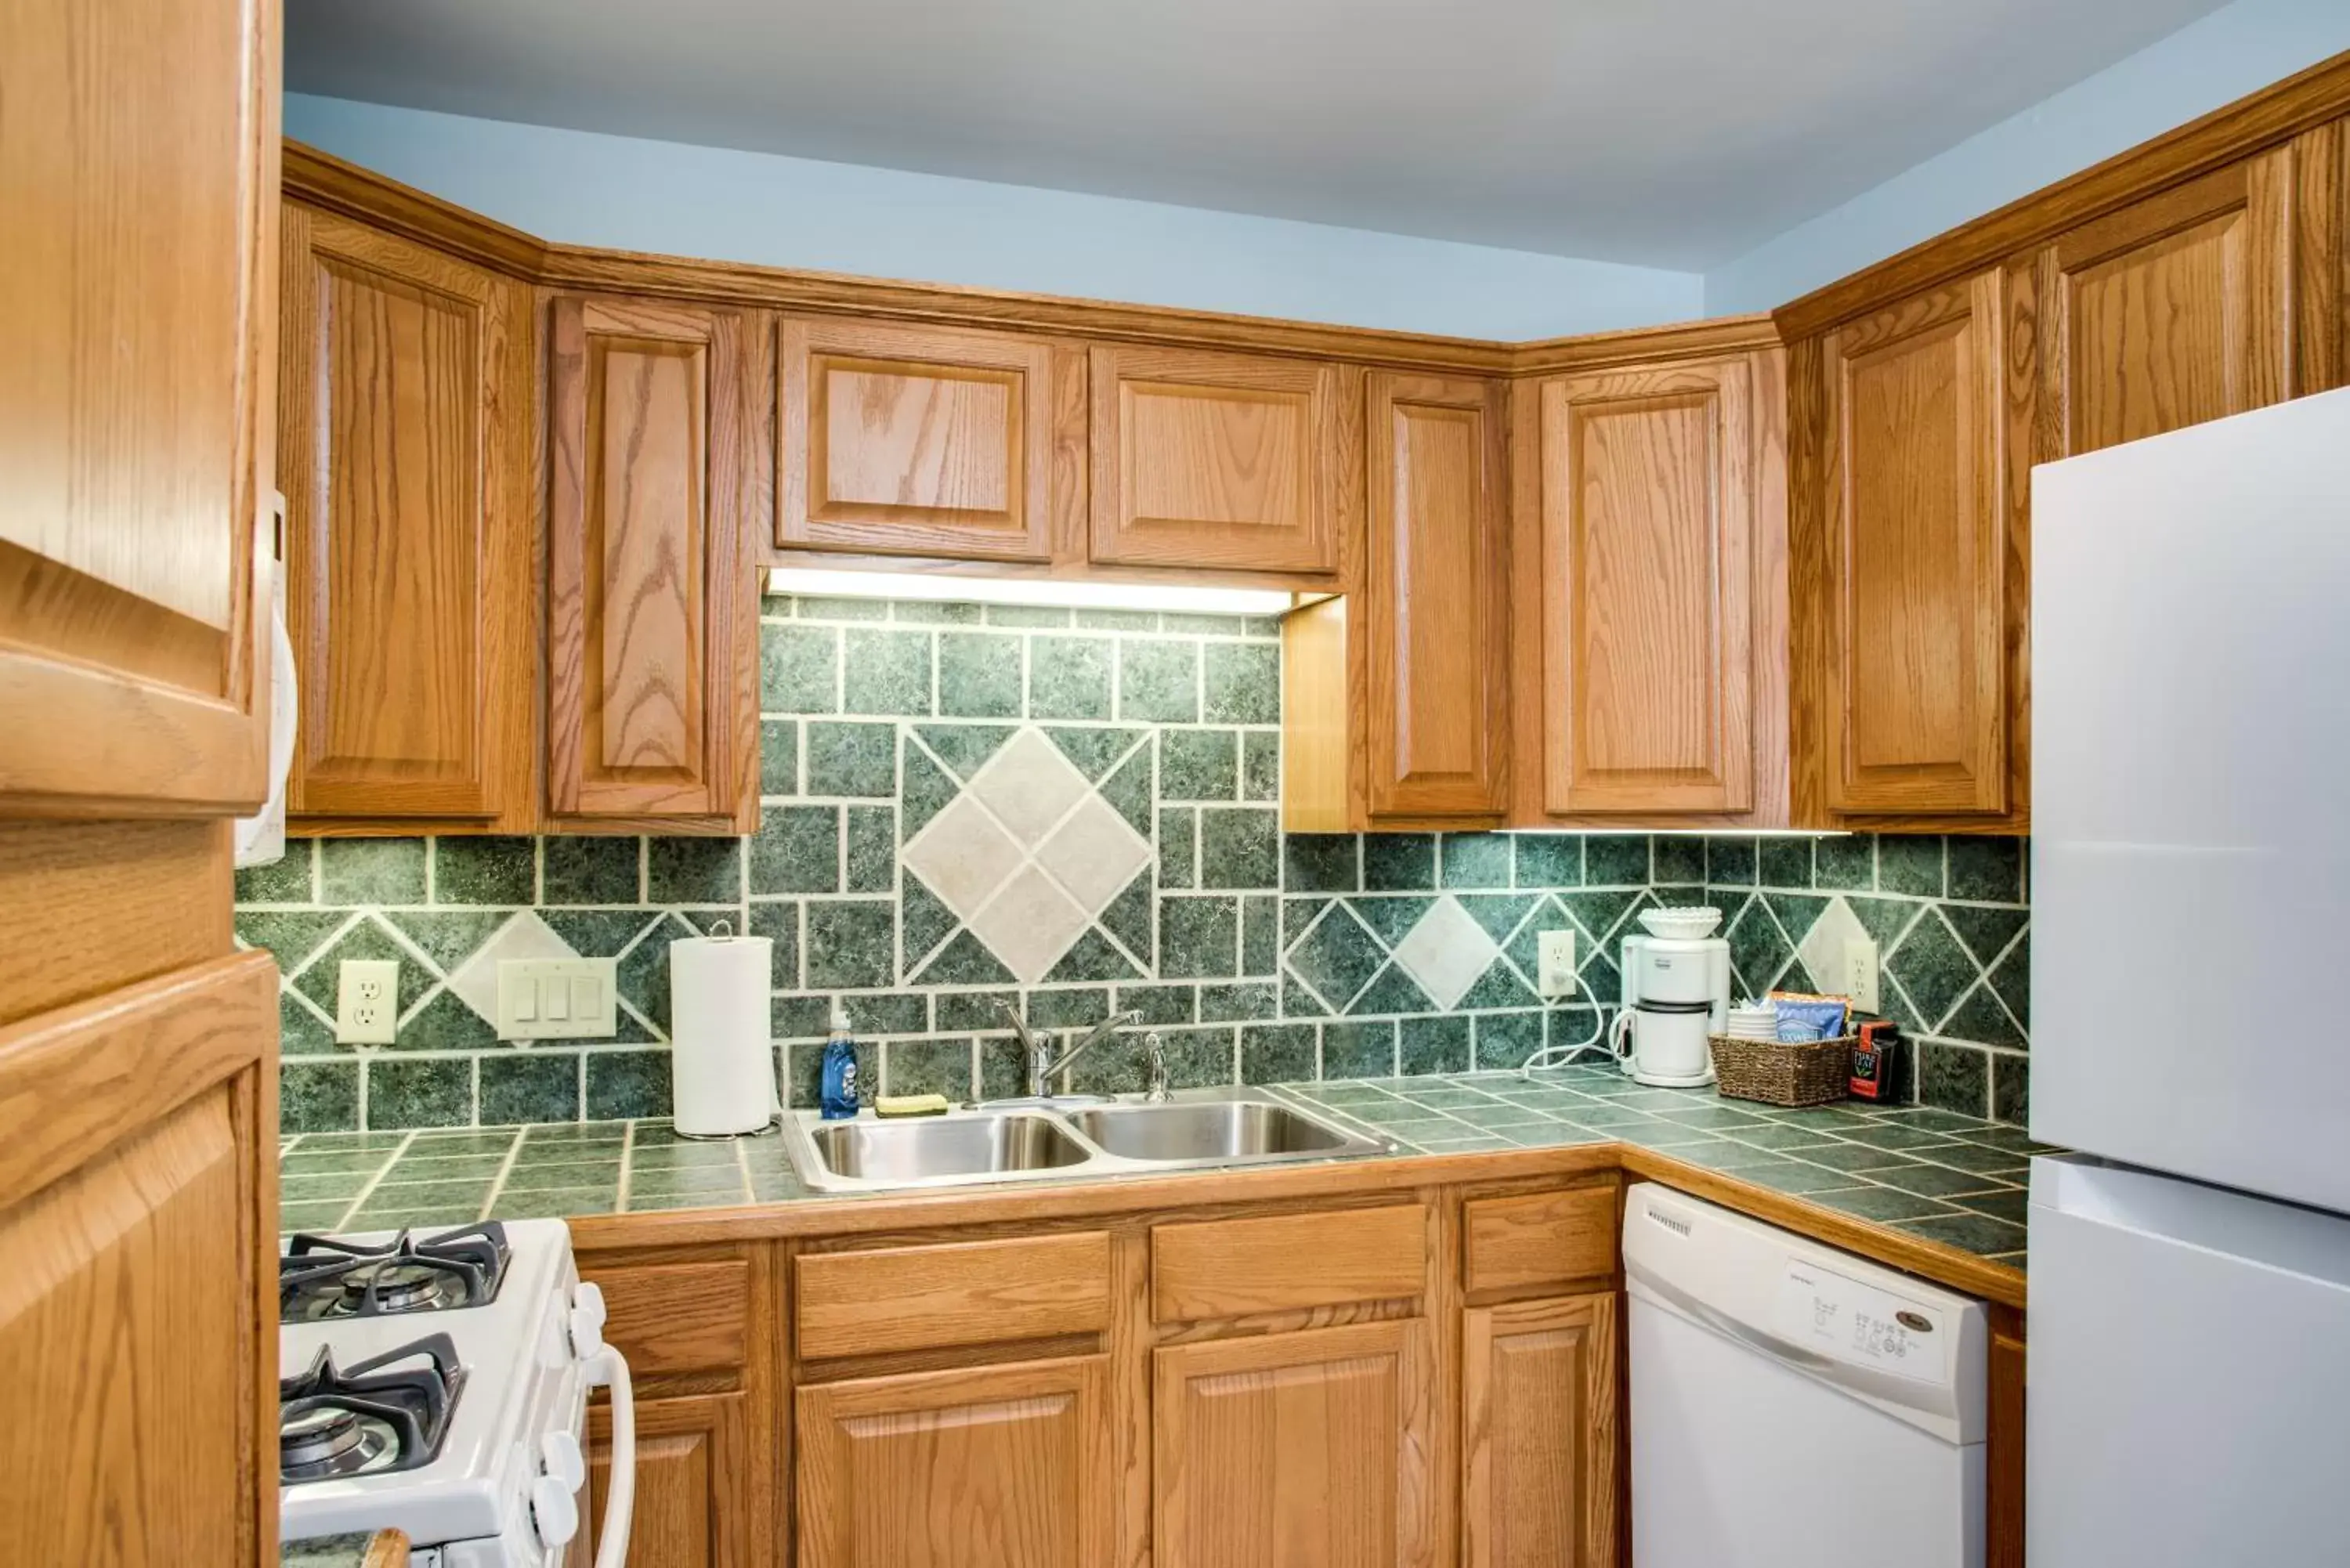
{"points": [[1033, 1140]]}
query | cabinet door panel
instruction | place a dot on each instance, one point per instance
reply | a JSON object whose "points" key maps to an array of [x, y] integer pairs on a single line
{"points": [[1538, 1434], [915, 440], [1218, 460], [1648, 531], [1917, 523], [651, 634], [2177, 309], [140, 173], [1003, 1467], [696, 1501], [407, 550], [1306, 1450], [1435, 598]]}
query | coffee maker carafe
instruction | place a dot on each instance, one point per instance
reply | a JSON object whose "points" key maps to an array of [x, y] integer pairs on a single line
{"points": [[1676, 995]]}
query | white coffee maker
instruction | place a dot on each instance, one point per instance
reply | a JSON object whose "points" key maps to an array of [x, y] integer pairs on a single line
{"points": [[1676, 995]]}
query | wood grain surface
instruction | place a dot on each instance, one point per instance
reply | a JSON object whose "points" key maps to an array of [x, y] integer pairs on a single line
{"points": [[976, 1292], [1539, 1238], [1539, 1430], [1231, 1268]]}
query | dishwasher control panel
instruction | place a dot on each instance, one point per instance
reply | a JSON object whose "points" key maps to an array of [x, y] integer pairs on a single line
{"points": [[1830, 1314]]}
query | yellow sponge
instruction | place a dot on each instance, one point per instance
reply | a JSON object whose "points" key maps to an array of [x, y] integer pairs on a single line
{"points": [[910, 1106]]}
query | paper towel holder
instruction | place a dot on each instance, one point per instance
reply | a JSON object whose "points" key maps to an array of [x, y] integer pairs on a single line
{"points": [[722, 929]]}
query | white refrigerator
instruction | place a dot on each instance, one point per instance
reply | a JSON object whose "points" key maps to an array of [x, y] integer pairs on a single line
{"points": [[2188, 1379]]}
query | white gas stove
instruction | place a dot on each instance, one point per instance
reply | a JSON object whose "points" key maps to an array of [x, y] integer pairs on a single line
{"points": [[437, 1383]]}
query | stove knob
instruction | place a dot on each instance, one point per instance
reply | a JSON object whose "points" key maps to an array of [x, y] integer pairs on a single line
{"points": [[587, 1321], [553, 1513], [559, 1456]]}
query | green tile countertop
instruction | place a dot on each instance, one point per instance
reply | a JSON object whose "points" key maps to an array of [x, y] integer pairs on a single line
{"points": [[1930, 1174]]}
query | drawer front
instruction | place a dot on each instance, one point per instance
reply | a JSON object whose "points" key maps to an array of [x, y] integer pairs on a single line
{"points": [[965, 1292], [678, 1318], [1232, 1268], [1538, 1238]]}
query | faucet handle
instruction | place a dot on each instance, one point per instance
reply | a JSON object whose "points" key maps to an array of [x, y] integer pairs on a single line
{"points": [[1154, 1051]]}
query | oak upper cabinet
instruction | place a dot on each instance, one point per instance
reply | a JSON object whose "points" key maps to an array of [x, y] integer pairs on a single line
{"points": [[1395, 701], [402, 456], [1650, 568], [1538, 1434], [2177, 309], [1222, 461], [918, 441], [996, 1467], [657, 478], [1313, 1446], [1914, 554]]}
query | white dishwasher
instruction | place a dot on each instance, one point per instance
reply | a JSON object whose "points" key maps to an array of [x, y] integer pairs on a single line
{"points": [[1792, 1406]]}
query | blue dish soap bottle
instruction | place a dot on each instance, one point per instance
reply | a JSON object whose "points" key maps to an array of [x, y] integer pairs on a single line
{"points": [[839, 1091]]}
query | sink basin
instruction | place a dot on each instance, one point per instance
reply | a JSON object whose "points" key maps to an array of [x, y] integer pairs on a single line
{"points": [[1028, 1141], [934, 1149], [1222, 1132]]}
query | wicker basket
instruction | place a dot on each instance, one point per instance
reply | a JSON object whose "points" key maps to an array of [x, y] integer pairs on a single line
{"points": [[1783, 1072]]}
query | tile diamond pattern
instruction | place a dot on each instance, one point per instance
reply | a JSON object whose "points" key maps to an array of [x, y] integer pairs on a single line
{"points": [[1028, 856], [1447, 951]]}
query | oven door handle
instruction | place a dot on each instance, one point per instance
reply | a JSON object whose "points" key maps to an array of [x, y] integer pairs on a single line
{"points": [[607, 1369]]}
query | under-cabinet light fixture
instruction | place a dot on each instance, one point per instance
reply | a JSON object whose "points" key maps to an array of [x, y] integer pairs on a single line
{"points": [[1043, 592]]}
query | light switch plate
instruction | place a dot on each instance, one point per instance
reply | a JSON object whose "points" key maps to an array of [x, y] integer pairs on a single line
{"points": [[556, 999], [1860, 973], [367, 1001], [1554, 957]]}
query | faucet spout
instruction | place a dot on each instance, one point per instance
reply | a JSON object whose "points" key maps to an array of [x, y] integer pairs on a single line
{"points": [[1042, 1070]]}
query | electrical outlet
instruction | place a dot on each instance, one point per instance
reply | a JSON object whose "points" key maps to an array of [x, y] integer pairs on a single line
{"points": [[1860, 973], [1555, 958], [556, 999], [367, 1001]]}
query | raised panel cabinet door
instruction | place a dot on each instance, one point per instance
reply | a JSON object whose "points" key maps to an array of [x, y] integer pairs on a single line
{"points": [[1647, 530], [653, 625], [1000, 1467], [137, 1337], [1311, 1450], [915, 440], [1912, 447], [139, 171], [1435, 598], [1538, 1434], [1228, 462], [2174, 310], [695, 1502], [407, 542]]}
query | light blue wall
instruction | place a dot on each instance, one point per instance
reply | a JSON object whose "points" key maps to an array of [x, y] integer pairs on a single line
{"points": [[2231, 52], [633, 194]]}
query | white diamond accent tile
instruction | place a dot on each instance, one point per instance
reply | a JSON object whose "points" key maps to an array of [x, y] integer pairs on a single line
{"points": [[1094, 853], [523, 937], [1822, 946], [1446, 950], [1029, 785], [965, 855], [1030, 924]]}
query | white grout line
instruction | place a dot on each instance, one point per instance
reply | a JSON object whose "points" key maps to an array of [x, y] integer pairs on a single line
{"points": [[361, 1198], [505, 1168]]}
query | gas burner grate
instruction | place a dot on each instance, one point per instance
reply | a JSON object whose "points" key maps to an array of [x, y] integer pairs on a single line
{"points": [[376, 1418], [325, 1277]]}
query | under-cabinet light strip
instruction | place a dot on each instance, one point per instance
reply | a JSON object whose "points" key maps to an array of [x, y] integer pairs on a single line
{"points": [[1038, 591]]}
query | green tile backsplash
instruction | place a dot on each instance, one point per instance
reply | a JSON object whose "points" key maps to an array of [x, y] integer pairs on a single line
{"points": [[1076, 813]]}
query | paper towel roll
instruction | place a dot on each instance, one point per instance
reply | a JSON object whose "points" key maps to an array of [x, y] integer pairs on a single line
{"points": [[721, 1071]]}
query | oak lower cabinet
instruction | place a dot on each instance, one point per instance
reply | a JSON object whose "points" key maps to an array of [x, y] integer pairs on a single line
{"points": [[1313, 1448], [992, 1467], [694, 1471], [657, 485], [403, 409], [1228, 462], [1395, 699], [1538, 1434], [1650, 571]]}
